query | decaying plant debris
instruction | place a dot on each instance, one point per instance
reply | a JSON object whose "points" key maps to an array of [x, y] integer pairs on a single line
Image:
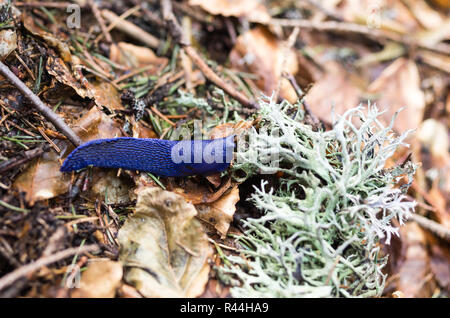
{"points": [[315, 206]]}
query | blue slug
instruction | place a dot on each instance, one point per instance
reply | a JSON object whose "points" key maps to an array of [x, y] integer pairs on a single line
{"points": [[160, 157]]}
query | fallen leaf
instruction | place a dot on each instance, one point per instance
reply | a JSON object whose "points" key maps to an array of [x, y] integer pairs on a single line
{"points": [[253, 10], [141, 129], [164, 247], [220, 213], [52, 40], [106, 95], [99, 280], [337, 88], [106, 184], [42, 179], [196, 193], [258, 51], [399, 86]]}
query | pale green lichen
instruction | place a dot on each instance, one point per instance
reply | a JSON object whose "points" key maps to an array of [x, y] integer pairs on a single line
{"points": [[319, 232]]}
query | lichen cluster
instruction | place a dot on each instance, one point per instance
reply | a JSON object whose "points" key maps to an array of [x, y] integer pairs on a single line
{"points": [[320, 230]]}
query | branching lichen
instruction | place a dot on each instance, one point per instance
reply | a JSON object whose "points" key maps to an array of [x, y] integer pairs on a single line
{"points": [[321, 226]]}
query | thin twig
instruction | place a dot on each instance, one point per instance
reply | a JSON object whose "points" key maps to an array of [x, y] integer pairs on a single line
{"points": [[25, 270], [131, 29], [20, 160], [432, 226], [301, 95], [177, 33], [45, 111], [100, 20]]}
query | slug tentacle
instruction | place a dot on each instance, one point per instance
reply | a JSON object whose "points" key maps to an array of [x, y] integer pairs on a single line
{"points": [[160, 157]]}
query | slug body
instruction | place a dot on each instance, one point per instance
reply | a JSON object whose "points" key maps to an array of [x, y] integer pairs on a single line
{"points": [[160, 157]]}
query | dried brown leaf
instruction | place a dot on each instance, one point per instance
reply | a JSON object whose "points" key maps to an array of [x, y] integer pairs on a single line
{"points": [[56, 67], [220, 213], [337, 87], [164, 246], [440, 258], [399, 86], [259, 52], [100, 280]]}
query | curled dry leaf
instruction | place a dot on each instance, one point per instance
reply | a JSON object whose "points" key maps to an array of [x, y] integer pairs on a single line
{"points": [[259, 52], [141, 129], [57, 68], [220, 213], [440, 258], [253, 10], [227, 129], [8, 42], [164, 247], [52, 40], [42, 179], [103, 93], [427, 16], [100, 280], [399, 86]]}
